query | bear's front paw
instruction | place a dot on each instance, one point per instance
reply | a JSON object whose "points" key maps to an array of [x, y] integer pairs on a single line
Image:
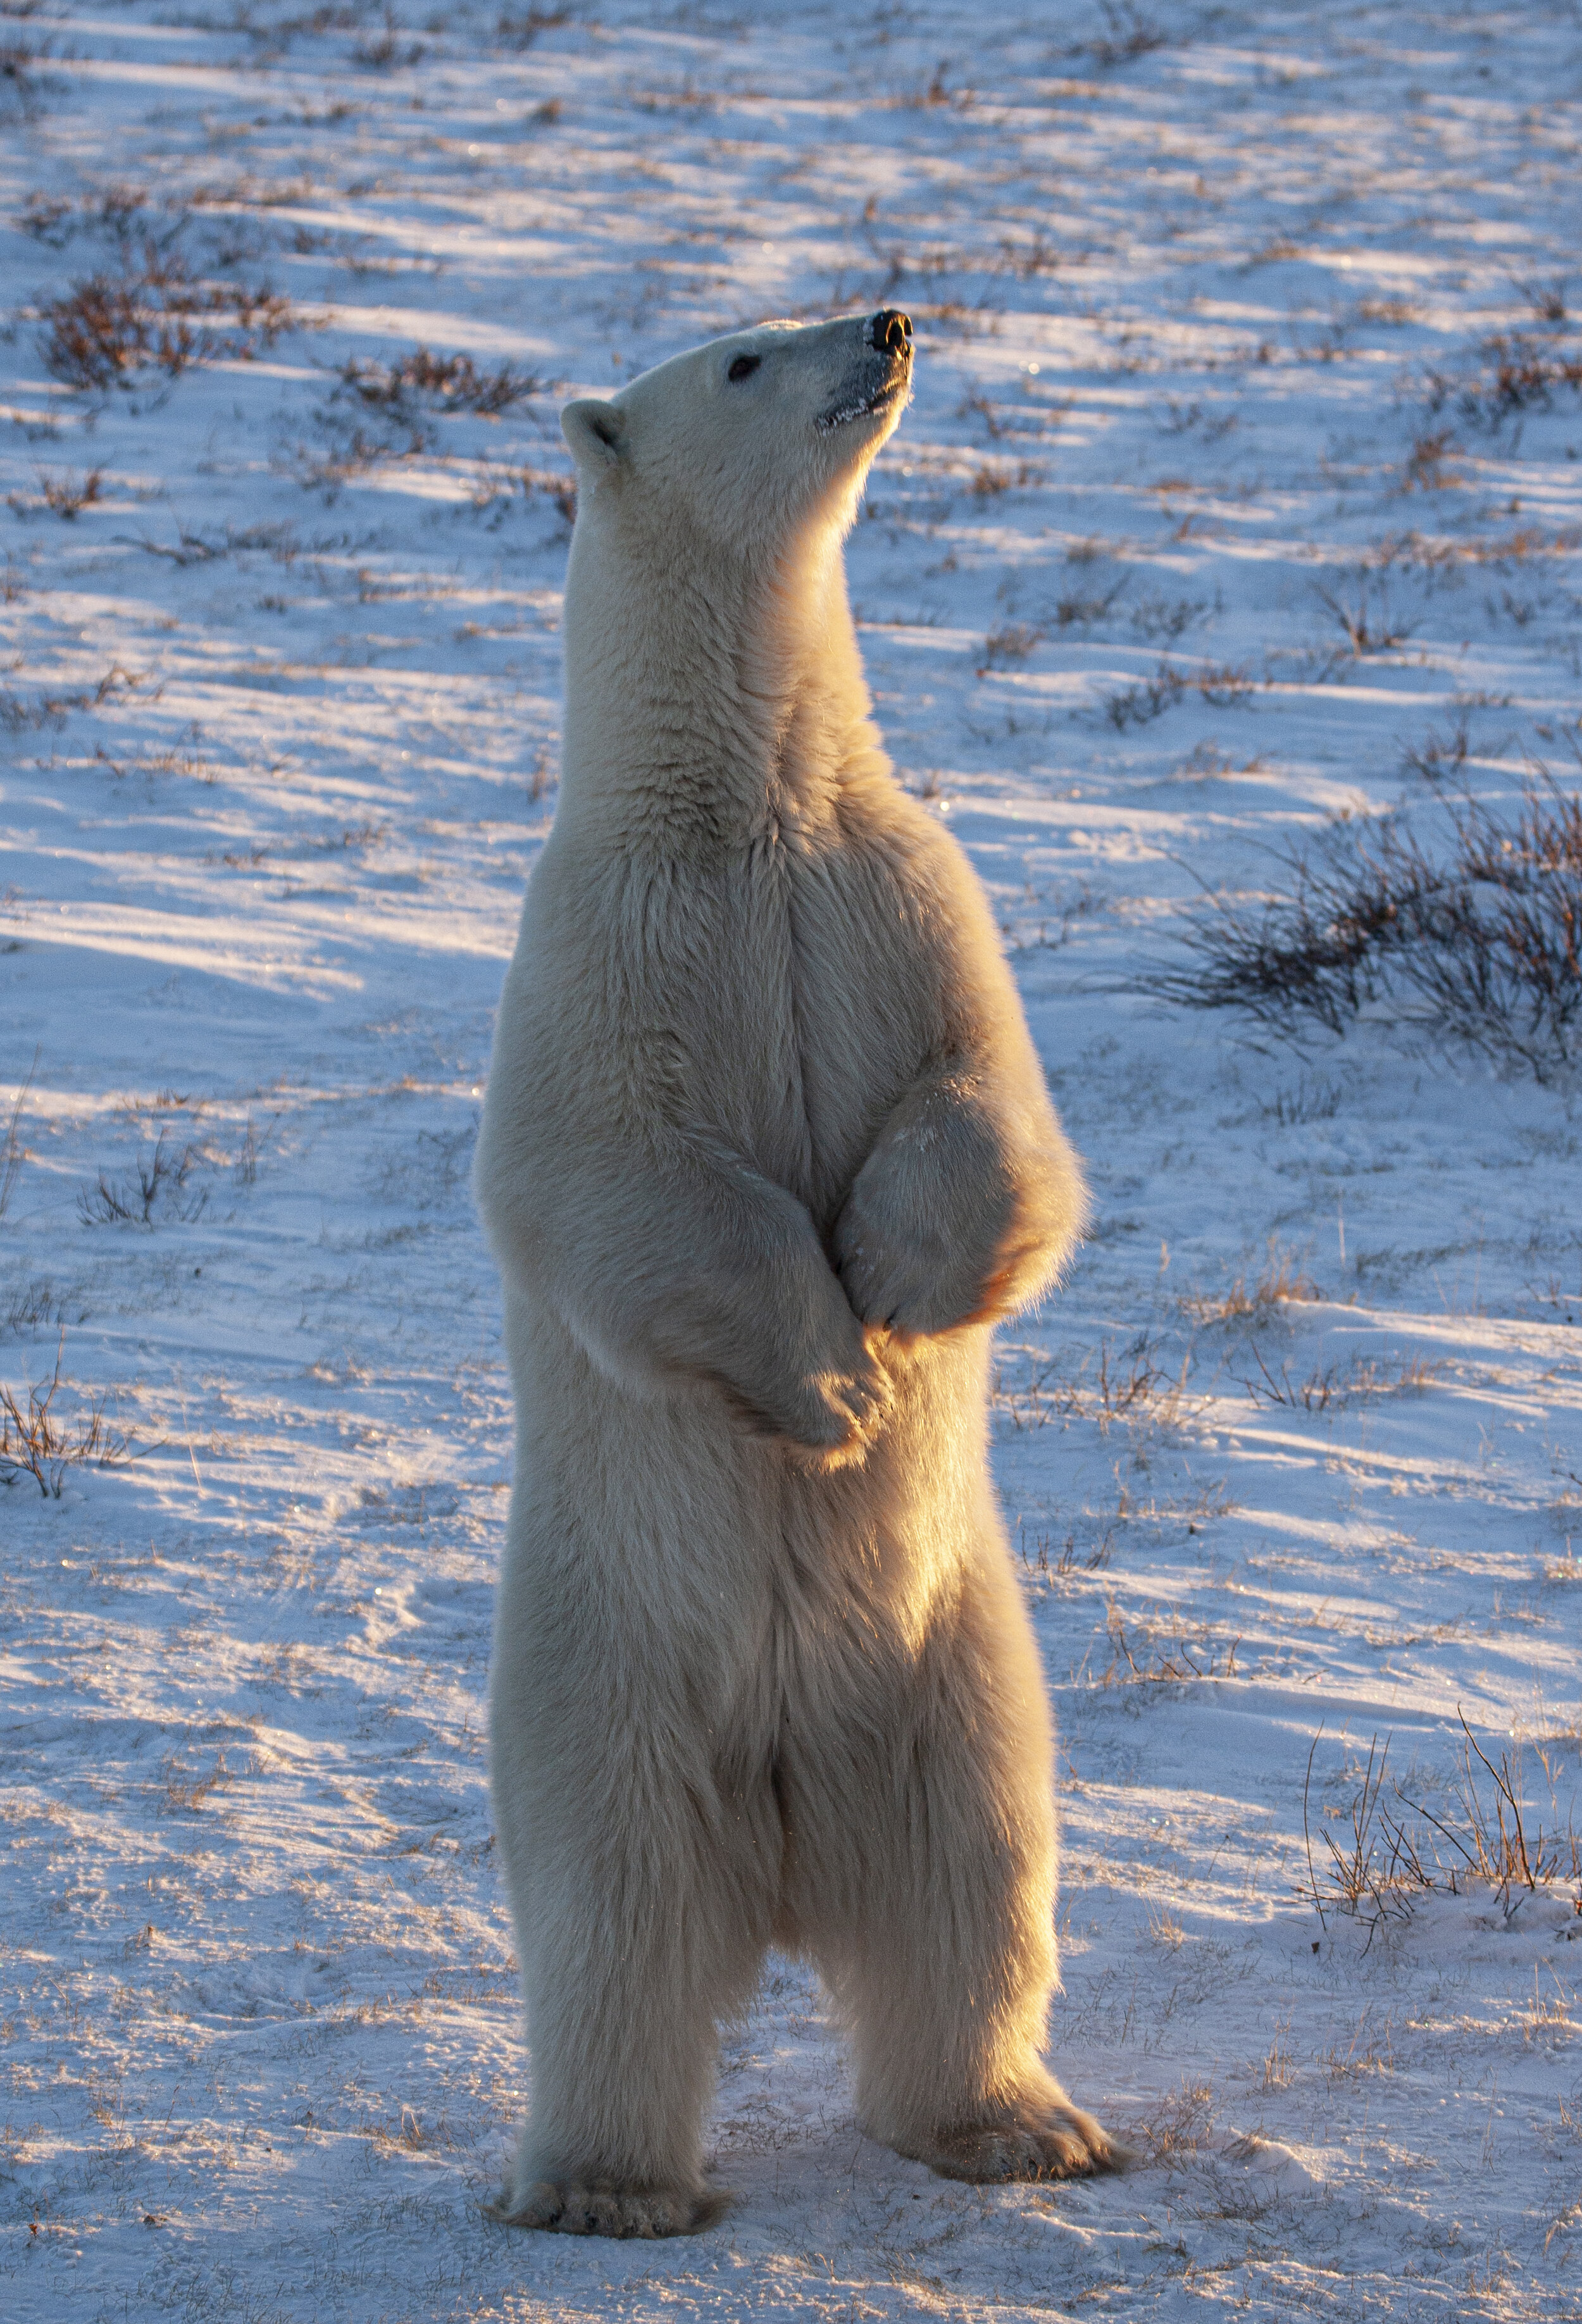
{"points": [[603, 2208], [1063, 2143], [916, 1295], [841, 1413]]}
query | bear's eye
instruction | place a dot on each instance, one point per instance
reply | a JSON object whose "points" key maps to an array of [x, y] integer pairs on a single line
{"points": [[743, 367]]}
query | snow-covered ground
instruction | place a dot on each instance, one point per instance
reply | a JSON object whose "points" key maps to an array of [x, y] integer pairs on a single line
{"points": [[1210, 516]]}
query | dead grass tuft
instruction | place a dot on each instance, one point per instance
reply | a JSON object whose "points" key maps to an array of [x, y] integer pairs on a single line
{"points": [[1513, 375], [187, 1788], [1009, 646], [1127, 35], [1218, 682], [519, 28], [1361, 608], [1284, 1279], [1109, 1385], [12, 1153], [65, 495]]}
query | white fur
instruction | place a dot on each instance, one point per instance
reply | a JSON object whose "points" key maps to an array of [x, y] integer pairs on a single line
{"points": [[767, 1150]]}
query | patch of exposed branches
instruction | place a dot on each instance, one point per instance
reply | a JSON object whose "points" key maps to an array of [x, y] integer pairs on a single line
{"points": [[519, 28], [1516, 373], [1388, 1857], [34, 1443], [1332, 1388], [151, 1191], [1162, 1654], [117, 211], [1219, 685], [1473, 936], [446, 383], [115, 328], [1127, 35], [20, 714], [22, 78], [1109, 1385]]}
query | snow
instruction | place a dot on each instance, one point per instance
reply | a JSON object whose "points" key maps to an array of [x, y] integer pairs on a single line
{"points": [[279, 721]]}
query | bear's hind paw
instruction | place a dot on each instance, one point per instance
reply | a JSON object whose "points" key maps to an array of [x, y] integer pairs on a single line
{"points": [[602, 2209], [1067, 2145]]}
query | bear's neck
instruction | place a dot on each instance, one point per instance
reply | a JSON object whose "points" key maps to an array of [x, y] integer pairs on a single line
{"points": [[728, 702]]}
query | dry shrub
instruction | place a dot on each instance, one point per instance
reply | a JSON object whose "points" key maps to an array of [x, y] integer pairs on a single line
{"points": [[1009, 646], [35, 1444], [1391, 1860], [1127, 1384], [1219, 685], [519, 28], [1127, 35], [152, 1190], [1179, 2126], [114, 328], [1331, 1389], [1515, 374], [187, 1788], [65, 495], [453, 382], [1474, 937], [1159, 1654], [21, 82]]}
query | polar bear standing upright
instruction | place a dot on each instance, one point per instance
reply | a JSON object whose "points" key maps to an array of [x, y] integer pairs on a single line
{"points": [[767, 1150]]}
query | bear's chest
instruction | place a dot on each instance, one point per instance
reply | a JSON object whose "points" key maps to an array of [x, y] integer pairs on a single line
{"points": [[806, 998]]}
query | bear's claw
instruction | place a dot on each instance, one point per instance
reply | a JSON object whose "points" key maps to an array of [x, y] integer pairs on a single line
{"points": [[603, 2210]]}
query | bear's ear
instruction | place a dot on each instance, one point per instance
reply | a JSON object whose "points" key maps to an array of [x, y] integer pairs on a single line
{"points": [[596, 432]]}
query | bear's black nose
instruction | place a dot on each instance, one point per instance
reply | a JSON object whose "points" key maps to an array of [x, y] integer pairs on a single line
{"points": [[891, 330]]}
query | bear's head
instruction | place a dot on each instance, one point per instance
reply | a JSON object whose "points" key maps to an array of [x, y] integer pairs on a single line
{"points": [[749, 442]]}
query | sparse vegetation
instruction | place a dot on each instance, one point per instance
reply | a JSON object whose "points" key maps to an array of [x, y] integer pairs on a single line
{"points": [[1391, 1858], [1328, 1389], [34, 1443], [1283, 1279], [1107, 1386], [519, 28], [1475, 939], [65, 495], [1127, 35], [1513, 375], [1150, 697], [153, 1190], [1363, 612], [12, 1152], [1007, 646], [1163, 1653], [447, 383], [115, 328]]}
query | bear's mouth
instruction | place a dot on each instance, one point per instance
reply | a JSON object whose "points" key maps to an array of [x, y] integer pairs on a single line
{"points": [[865, 407]]}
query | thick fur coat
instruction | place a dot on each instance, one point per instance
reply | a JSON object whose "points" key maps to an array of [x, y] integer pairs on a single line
{"points": [[766, 1152]]}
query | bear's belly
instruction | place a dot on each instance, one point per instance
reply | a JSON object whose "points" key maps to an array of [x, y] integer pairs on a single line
{"points": [[658, 1509]]}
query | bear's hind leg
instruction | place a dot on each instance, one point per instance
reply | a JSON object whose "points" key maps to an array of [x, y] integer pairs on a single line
{"points": [[641, 1911], [924, 1887]]}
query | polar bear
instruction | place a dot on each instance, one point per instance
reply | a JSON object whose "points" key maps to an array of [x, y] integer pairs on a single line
{"points": [[766, 1152]]}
